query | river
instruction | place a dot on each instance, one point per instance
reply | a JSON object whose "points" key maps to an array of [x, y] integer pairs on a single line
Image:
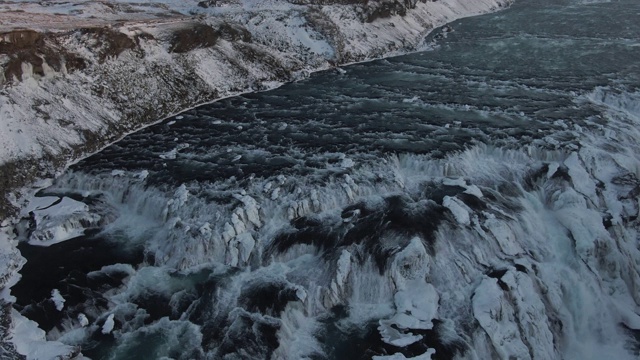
{"points": [[478, 200]]}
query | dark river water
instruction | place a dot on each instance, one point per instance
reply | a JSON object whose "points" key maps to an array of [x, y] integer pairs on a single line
{"points": [[477, 200]]}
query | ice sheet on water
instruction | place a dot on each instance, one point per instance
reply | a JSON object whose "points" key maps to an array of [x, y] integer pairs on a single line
{"points": [[58, 219], [57, 299], [31, 342]]}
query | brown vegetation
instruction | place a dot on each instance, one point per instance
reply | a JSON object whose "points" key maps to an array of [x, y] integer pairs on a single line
{"points": [[193, 37], [36, 49]]}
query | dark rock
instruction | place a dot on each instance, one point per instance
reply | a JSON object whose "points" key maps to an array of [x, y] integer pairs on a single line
{"points": [[193, 37]]}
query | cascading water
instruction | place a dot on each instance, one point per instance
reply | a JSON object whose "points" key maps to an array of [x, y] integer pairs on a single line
{"points": [[478, 200]]}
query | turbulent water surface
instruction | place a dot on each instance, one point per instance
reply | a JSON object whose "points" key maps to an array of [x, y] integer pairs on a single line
{"points": [[478, 200]]}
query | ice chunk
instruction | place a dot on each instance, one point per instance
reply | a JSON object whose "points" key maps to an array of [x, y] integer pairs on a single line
{"points": [[245, 243], [301, 293], [412, 100], [416, 301], [29, 340], [267, 186], [455, 182], [82, 318], [416, 306], [61, 220], [232, 255], [584, 224], [504, 235], [251, 209], [399, 356], [238, 224], [411, 263], [582, 181], [181, 195], [474, 190], [228, 232], [553, 167], [275, 193], [531, 314], [347, 163], [393, 336], [342, 272], [107, 328], [57, 299], [458, 209], [496, 316], [142, 174], [344, 267], [169, 155]]}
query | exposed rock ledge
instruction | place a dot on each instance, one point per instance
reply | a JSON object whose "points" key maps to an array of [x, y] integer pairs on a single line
{"points": [[71, 83]]}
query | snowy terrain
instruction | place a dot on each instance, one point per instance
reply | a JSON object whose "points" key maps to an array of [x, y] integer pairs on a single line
{"points": [[78, 75]]}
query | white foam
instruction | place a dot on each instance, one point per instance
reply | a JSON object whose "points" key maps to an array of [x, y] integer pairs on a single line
{"points": [[296, 335]]}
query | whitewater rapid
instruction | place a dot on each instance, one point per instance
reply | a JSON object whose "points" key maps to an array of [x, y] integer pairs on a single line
{"points": [[450, 204]]}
